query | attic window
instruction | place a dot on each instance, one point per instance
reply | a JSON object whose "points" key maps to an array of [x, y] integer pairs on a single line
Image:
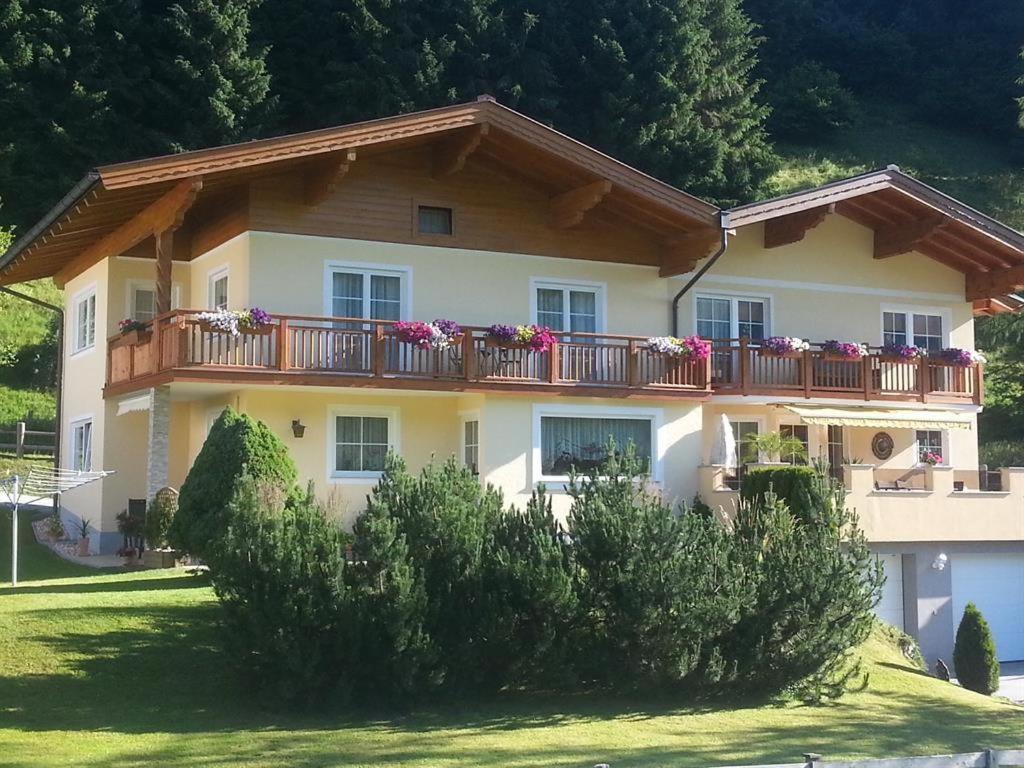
{"points": [[434, 220]]}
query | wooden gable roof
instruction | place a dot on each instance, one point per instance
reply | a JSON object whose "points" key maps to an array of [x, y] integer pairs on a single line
{"points": [[115, 207], [906, 215]]}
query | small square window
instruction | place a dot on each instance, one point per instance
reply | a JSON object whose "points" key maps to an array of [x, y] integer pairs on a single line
{"points": [[434, 220]]}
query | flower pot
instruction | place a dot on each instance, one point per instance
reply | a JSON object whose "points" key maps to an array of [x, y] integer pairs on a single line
{"points": [[83, 546], [159, 558], [792, 355], [263, 330], [840, 358], [132, 339]]}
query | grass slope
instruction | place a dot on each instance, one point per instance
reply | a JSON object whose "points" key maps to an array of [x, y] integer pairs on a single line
{"points": [[124, 669], [977, 171]]}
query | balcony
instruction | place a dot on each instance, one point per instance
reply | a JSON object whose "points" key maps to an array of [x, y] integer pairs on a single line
{"points": [[350, 352], [343, 352], [740, 367]]}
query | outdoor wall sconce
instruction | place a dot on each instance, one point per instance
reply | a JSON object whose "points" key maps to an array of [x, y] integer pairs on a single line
{"points": [[939, 563], [298, 428]]}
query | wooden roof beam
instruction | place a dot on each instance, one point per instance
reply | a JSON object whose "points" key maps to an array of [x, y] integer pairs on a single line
{"points": [[450, 155], [903, 237], [792, 227], [569, 208], [682, 254], [165, 214], [325, 176], [999, 282]]}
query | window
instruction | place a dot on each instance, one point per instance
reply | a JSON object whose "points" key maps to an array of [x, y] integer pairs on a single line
{"points": [[366, 294], [930, 441], [434, 220], [836, 451], [799, 431], [361, 443], [85, 321], [741, 432], [81, 445], [568, 442], [142, 303], [722, 317], [218, 298], [568, 307], [471, 445], [921, 329]]}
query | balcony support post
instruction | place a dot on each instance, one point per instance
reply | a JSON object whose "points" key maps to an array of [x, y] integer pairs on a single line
{"points": [[468, 356], [554, 363], [744, 367], [378, 351], [282, 344], [923, 375]]}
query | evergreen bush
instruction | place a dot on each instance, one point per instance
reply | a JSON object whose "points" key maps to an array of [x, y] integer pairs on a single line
{"points": [[237, 445], [801, 488], [974, 653], [287, 610]]}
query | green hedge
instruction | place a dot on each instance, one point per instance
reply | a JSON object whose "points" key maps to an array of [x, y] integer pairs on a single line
{"points": [[800, 488], [37, 409], [1002, 453]]}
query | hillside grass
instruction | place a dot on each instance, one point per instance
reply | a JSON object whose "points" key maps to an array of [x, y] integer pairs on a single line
{"points": [[976, 171], [125, 669]]}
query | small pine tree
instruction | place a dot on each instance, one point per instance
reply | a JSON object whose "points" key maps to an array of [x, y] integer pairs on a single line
{"points": [[974, 654], [237, 445]]}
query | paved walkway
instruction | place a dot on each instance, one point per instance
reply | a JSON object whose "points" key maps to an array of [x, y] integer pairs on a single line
{"points": [[1011, 681]]}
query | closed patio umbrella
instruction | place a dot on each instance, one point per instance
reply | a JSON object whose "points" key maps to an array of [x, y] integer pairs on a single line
{"points": [[723, 452]]}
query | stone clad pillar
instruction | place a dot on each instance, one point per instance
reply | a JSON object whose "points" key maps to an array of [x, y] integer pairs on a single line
{"points": [[159, 447]]}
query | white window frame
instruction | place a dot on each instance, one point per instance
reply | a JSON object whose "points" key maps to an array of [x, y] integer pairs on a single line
{"points": [[404, 273], [600, 300], [734, 298], [73, 426], [946, 459], [909, 310], [464, 418], [394, 439], [813, 440], [132, 286], [77, 300], [212, 278], [656, 416]]}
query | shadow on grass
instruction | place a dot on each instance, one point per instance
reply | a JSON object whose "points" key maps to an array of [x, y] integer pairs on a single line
{"points": [[113, 585]]}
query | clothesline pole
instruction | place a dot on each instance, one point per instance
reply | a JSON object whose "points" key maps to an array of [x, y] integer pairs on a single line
{"points": [[16, 488]]}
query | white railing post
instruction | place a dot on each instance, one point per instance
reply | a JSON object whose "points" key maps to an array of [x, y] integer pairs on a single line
{"points": [[19, 439]]}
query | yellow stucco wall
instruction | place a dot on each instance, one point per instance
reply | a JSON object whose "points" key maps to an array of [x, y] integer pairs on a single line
{"points": [[232, 255]]}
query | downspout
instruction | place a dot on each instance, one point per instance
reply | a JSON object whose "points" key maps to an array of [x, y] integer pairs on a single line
{"points": [[59, 312], [722, 247]]}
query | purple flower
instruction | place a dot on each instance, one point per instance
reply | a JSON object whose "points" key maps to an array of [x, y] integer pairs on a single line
{"points": [[503, 332], [448, 327], [847, 350], [258, 318], [962, 358], [903, 351]]}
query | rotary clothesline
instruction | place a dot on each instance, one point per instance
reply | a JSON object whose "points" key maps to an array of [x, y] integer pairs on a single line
{"points": [[38, 484]]}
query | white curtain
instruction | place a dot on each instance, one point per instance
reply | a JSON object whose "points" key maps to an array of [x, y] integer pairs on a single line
{"points": [[582, 442]]}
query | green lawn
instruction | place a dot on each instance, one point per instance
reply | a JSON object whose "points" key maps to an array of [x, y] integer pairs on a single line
{"points": [[123, 669]]}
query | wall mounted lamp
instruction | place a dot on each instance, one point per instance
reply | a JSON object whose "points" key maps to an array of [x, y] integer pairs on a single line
{"points": [[298, 428]]}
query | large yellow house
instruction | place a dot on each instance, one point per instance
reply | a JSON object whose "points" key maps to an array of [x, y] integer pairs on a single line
{"points": [[476, 214]]}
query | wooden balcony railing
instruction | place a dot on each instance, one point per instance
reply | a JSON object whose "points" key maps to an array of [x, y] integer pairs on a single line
{"points": [[739, 366], [370, 352]]}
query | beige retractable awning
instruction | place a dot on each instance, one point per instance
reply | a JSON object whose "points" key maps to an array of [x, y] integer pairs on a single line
{"points": [[892, 418]]}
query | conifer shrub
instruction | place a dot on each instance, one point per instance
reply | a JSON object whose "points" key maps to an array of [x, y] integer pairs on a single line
{"points": [[799, 487], [974, 653], [655, 588], [287, 607], [159, 515], [237, 445], [814, 582]]}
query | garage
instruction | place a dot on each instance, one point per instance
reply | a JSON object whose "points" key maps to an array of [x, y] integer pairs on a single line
{"points": [[890, 607], [994, 583]]}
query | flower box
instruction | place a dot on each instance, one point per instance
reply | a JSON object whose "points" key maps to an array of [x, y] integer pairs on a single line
{"points": [[831, 357], [132, 339], [263, 330], [793, 355]]}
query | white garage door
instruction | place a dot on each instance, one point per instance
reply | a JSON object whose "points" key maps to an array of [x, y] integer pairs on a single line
{"points": [[994, 583], [890, 607]]}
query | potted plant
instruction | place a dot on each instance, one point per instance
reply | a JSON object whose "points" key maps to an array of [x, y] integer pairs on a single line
{"points": [[931, 459], [772, 446], [236, 321], [960, 358], [783, 346], [159, 516], [902, 353], [133, 332], [688, 347], [130, 525], [534, 338], [438, 335], [83, 527], [843, 351]]}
